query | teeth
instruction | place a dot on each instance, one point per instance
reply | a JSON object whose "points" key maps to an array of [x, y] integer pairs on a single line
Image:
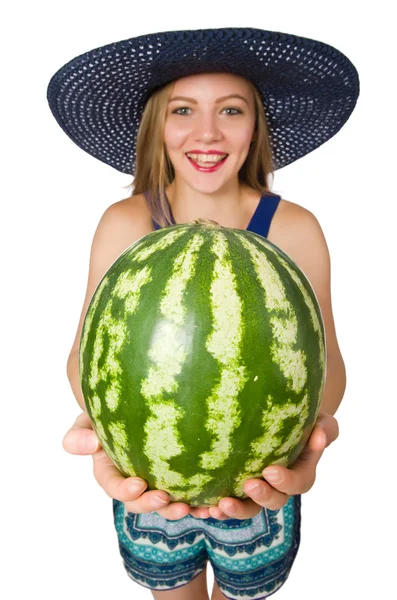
{"points": [[206, 158]]}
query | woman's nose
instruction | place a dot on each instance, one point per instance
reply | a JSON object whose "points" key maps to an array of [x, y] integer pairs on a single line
{"points": [[207, 128]]}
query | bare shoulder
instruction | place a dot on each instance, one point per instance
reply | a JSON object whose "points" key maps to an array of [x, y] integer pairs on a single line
{"points": [[294, 228], [131, 215], [122, 224]]}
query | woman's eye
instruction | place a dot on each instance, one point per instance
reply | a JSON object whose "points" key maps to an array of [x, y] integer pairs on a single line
{"points": [[237, 110], [176, 111]]}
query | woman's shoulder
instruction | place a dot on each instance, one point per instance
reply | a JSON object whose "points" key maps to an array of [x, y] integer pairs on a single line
{"points": [[286, 222], [136, 211], [125, 221]]}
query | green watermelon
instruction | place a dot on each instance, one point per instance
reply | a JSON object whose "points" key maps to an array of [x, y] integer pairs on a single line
{"points": [[202, 360]]}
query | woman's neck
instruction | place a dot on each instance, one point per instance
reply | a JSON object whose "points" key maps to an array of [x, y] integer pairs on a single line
{"points": [[228, 207]]}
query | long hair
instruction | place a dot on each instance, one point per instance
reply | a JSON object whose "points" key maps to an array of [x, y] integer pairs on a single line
{"points": [[154, 171]]}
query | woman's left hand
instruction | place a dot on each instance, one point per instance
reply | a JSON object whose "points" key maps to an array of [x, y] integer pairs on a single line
{"points": [[293, 481]]}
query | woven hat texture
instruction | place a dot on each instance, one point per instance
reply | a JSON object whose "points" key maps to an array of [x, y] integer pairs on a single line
{"points": [[309, 88]]}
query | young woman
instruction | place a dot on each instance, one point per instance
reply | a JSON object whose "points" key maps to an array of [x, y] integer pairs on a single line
{"points": [[206, 147]]}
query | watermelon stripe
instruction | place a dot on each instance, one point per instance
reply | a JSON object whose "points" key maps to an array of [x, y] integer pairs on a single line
{"points": [[162, 443], [96, 408], [184, 268], [315, 314], [128, 288], [284, 412], [117, 332], [120, 443], [283, 320], [168, 354], [224, 344], [166, 239], [88, 322], [271, 440]]}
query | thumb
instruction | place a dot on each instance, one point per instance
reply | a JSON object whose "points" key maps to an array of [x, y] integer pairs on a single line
{"points": [[81, 439], [325, 432]]}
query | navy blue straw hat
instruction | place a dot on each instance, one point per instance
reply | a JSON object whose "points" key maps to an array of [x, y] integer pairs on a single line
{"points": [[309, 88]]}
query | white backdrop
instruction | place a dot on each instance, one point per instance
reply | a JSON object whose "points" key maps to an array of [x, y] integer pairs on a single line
{"points": [[57, 533]]}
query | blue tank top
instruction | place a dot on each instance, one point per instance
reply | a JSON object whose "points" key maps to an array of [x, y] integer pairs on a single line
{"points": [[260, 220]]}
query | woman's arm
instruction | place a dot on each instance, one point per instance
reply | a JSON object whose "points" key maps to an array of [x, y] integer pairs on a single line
{"points": [[335, 385], [307, 246]]}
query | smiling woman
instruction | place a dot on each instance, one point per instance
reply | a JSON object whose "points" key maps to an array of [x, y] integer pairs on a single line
{"points": [[193, 115], [266, 100], [212, 125]]}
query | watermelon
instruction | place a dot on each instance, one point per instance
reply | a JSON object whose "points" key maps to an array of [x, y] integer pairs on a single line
{"points": [[202, 360]]}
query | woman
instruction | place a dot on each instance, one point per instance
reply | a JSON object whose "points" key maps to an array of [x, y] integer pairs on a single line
{"points": [[203, 150]]}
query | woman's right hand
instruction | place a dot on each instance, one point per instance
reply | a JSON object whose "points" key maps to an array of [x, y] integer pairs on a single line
{"points": [[81, 439]]}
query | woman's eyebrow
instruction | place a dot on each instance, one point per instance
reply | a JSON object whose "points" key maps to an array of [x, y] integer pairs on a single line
{"points": [[193, 101]]}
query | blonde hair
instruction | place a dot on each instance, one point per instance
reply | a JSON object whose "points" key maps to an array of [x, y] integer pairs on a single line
{"points": [[154, 171]]}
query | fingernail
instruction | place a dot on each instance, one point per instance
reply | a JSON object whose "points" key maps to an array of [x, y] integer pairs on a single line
{"points": [[159, 501], [253, 488], [272, 475], [323, 438], [90, 443], [136, 487], [229, 507]]}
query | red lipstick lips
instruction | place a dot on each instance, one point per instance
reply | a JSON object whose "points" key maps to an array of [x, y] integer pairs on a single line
{"points": [[211, 167]]}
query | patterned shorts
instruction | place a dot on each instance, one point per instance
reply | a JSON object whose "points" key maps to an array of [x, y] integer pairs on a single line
{"points": [[251, 558]]}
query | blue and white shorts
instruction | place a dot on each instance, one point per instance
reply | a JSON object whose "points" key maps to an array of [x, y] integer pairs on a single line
{"points": [[251, 558]]}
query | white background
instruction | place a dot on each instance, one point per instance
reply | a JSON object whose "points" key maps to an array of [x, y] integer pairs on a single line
{"points": [[57, 533]]}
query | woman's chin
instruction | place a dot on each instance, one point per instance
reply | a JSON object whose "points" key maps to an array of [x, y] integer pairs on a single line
{"points": [[214, 186]]}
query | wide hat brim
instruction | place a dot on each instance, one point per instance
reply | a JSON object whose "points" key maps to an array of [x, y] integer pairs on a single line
{"points": [[309, 88]]}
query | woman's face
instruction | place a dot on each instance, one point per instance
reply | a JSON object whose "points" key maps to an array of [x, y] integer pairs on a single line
{"points": [[209, 113]]}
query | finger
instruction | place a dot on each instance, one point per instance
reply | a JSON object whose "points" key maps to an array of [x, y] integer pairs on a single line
{"points": [[150, 501], [260, 495], [174, 511], [324, 433], [131, 490], [81, 439], [217, 513], [113, 482], [200, 512], [83, 420], [180, 510], [239, 509], [298, 479], [265, 495]]}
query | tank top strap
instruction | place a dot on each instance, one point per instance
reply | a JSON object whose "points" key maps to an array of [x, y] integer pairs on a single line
{"points": [[262, 217]]}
